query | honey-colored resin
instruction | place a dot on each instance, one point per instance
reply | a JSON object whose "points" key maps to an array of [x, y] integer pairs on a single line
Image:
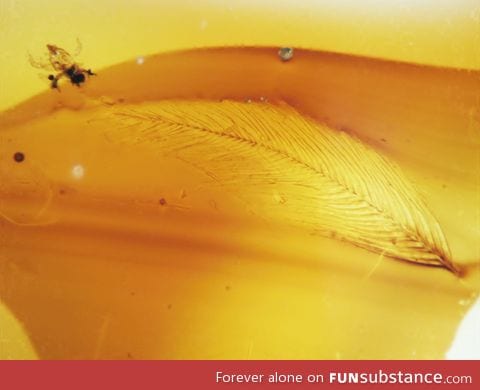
{"points": [[123, 250]]}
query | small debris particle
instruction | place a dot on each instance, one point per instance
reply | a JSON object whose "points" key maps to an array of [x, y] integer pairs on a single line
{"points": [[263, 99], [140, 60], [108, 100], [279, 198], [228, 288], [383, 140], [285, 53], [61, 191], [162, 202], [132, 293], [169, 306], [19, 157], [183, 194]]}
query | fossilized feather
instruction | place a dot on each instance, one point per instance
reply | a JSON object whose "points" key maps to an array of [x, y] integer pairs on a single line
{"points": [[290, 166]]}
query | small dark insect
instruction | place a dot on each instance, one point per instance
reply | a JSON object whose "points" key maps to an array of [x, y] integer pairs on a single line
{"points": [[64, 64]]}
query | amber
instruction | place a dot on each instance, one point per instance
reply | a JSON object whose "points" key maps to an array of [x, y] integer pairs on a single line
{"points": [[115, 250]]}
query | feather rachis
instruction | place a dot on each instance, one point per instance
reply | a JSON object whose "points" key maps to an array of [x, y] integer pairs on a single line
{"points": [[349, 188]]}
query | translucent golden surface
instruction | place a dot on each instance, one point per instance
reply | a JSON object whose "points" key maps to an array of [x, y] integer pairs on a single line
{"points": [[137, 258], [430, 32]]}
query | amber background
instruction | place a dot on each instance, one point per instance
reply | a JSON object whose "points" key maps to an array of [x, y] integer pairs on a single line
{"points": [[435, 32], [206, 282]]}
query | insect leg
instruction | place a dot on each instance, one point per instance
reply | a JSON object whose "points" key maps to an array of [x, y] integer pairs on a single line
{"points": [[87, 71], [37, 64], [78, 50], [54, 80]]}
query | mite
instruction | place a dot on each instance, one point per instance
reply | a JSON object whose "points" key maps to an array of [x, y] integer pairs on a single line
{"points": [[64, 64]]}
